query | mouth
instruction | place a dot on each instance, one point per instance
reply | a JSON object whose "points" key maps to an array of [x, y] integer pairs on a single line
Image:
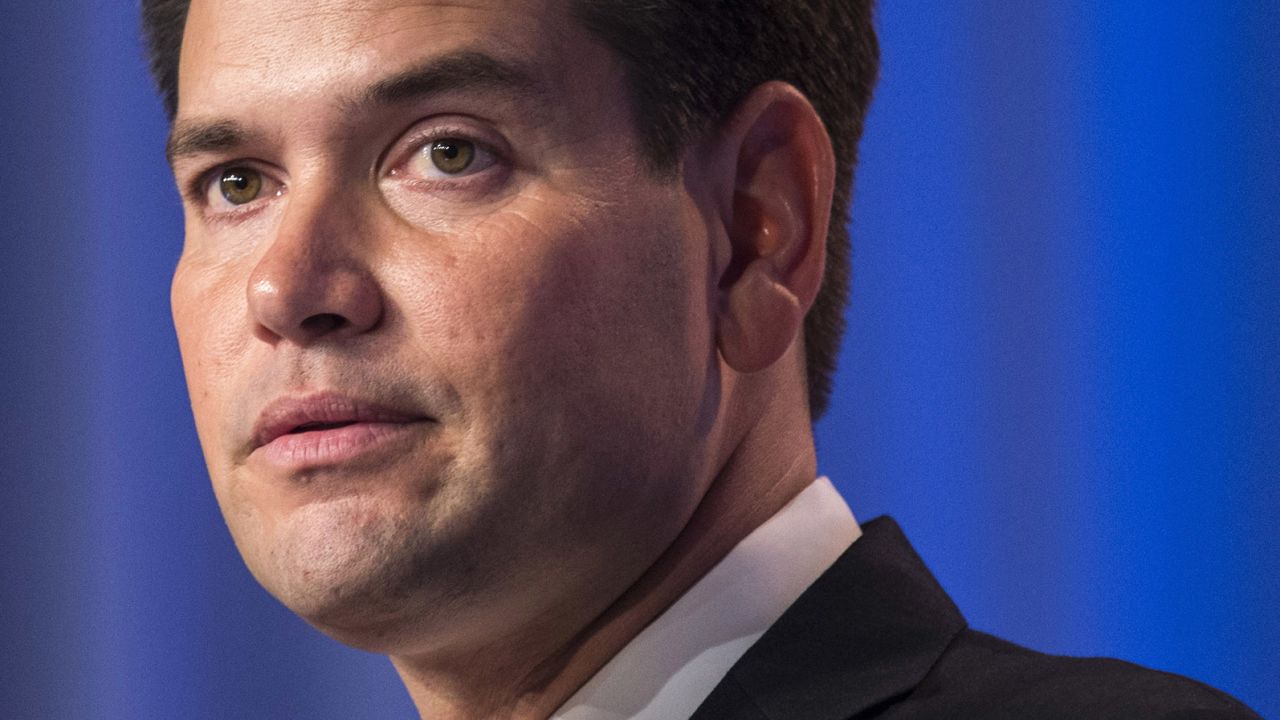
{"points": [[318, 426], [300, 432]]}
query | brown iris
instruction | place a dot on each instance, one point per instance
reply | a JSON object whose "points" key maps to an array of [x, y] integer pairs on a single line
{"points": [[452, 156], [240, 185]]}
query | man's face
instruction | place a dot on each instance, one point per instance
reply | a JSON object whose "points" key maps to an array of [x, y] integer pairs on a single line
{"points": [[448, 344]]}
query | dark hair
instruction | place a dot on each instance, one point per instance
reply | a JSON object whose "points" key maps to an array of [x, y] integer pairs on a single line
{"points": [[689, 63]]}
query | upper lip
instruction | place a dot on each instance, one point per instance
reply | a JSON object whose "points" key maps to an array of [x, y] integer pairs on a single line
{"points": [[287, 414]]}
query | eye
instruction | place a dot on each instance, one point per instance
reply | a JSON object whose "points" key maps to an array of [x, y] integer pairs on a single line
{"points": [[449, 157], [236, 186]]}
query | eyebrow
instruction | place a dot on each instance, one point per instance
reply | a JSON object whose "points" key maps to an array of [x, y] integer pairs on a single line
{"points": [[463, 70], [198, 137]]}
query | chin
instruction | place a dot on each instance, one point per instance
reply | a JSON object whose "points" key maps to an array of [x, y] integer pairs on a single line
{"points": [[342, 565], [369, 578]]}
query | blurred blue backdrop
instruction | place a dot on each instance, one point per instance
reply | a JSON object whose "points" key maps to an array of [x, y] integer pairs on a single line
{"points": [[1062, 372]]}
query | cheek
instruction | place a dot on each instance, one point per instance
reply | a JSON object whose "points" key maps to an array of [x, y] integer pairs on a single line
{"points": [[577, 338], [575, 301], [209, 318]]}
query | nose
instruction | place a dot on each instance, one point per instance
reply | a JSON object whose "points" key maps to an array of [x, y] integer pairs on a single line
{"points": [[312, 284]]}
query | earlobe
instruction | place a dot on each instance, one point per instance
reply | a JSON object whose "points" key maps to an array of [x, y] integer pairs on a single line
{"points": [[778, 205]]}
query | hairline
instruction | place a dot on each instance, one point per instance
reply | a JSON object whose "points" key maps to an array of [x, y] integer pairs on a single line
{"points": [[826, 317], [467, 69]]}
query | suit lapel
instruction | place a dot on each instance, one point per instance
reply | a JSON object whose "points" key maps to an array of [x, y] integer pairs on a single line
{"points": [[864, 634]]}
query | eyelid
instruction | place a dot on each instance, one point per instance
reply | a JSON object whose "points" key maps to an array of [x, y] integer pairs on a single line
{"points": [[429, 130], [198, 189]]}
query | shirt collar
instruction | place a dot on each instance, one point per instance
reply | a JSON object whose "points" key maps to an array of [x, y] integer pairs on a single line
{"points": [[666, 671], [867, 632]]}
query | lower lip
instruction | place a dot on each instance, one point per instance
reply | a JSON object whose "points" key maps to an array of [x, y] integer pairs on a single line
{"points": [[317, 448]]}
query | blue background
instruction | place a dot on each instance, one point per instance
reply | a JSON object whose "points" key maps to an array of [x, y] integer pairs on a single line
{"points": [[1062, 372]]}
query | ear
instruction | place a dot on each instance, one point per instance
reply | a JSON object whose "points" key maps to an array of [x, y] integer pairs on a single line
{"points": [[775, 185]]}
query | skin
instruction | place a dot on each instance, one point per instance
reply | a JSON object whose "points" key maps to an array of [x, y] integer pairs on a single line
{"points": [[610, 361]]}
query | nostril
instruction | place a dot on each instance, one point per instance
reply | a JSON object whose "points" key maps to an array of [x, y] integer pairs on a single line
{"points": [[304, 297], [323, 323]]}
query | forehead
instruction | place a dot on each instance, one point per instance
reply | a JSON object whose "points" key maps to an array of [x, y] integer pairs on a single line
{"points": [[237, 50]]}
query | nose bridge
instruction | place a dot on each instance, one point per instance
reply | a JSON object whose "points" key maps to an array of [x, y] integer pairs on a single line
{"points": [[314, 280]]}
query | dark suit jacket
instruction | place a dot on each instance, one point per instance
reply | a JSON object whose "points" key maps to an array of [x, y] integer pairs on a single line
{"points": [[876, 637]]}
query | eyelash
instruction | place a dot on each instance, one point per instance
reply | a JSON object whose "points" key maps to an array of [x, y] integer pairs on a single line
{"points": [[419, 142], [202, 185], [199, 188]]}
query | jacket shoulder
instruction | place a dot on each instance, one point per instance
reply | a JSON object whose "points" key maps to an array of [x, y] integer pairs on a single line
{"points": [[981, 676]]}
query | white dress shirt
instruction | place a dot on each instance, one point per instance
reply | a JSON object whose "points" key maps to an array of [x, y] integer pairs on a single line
{"points": [[671, 667]]}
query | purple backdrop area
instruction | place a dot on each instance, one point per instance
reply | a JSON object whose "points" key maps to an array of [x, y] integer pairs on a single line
{"points": [[1062, 373]]}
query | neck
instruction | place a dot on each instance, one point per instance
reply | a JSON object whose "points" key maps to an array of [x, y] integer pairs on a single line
{"points": [[535, 670]]}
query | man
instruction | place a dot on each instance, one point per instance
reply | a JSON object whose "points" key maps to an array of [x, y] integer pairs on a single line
{"points": [[504, 324]]}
